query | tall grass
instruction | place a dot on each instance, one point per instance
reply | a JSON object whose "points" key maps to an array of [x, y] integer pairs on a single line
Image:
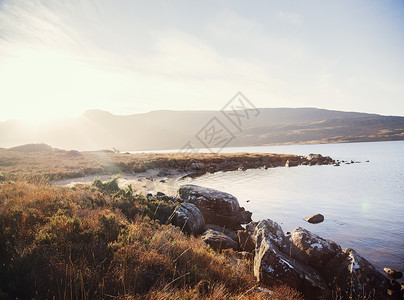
{"points": [[85, 243]]}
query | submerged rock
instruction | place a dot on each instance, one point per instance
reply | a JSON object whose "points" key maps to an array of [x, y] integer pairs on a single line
{"points": [[315, 219]]}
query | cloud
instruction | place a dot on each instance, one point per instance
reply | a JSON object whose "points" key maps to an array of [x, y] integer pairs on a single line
{"points": [[131, 56], [290, 17]]}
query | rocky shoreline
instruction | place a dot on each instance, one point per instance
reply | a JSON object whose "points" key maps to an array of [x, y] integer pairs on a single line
{"points": [[315, 266]]}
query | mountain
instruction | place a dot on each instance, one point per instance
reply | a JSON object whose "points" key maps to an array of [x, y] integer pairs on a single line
{"points": [[159, 130]]}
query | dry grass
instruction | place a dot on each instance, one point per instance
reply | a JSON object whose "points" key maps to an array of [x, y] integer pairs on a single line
{"points": [[102, 242], [85, 243], [54, 164]]}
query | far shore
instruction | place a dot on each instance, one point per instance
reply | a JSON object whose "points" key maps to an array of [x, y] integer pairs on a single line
{"points": [[46, 164]]}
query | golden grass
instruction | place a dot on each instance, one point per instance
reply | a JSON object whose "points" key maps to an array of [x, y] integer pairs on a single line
{"points": [[78, 243], [46, 166]]}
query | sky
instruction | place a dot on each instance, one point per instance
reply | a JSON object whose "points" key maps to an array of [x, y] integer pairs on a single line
{"points": [[59, 58]]}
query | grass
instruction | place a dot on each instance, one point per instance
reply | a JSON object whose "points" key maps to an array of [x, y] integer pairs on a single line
{"points": [[102, 242], [48, 164], [96, 242]]}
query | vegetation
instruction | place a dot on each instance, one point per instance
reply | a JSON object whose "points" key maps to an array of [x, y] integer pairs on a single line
{"points": [[48, 164], [101, 242]]}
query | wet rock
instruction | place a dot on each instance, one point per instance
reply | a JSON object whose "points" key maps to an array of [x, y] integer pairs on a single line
{"points": [[315, 219], [217, 207], [393, 274], [317, 251], [218, 240], [189, 218]]}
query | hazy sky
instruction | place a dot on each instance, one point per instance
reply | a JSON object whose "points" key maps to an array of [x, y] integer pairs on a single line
{"points": [[59, 58]]}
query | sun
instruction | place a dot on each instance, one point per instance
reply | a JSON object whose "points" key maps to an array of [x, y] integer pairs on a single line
{"points": [[39, 87]]}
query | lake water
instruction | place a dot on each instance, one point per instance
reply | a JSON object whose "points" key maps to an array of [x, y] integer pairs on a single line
{"points": [[363, 203]]}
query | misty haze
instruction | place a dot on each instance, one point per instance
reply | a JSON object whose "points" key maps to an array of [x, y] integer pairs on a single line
{"points": [[201, 149]]}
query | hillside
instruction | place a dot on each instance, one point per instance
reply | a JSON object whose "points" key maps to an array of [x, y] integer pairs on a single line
{"points": [[159, 130]]}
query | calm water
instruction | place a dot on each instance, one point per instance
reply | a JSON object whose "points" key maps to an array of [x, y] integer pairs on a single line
{"points": [[363, 203]]}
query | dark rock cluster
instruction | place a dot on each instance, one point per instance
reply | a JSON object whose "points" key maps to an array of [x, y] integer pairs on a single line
{"points": [[315, 266]]}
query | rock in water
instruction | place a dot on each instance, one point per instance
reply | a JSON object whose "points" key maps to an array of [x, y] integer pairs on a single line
{"points": [[393, 274], [314, 219], [217, 207], [218, 240], [189, 218]]}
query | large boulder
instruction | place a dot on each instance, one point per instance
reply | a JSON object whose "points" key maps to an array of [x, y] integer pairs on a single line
{"points": [[317, 251], [189, 218], [218, 240], [272, 266], [217, 207], [363, 276]]}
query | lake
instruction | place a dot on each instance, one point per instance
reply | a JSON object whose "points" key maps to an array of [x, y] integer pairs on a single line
{"points": [[363, 203]]}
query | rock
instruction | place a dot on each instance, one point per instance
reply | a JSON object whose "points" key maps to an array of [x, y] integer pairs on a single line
{"points": [[159, 194], [355, 275], [162, 181], [312, 156], [230, 233], [217, 207], [245, 241], [270, 230], [273, 267], [198, 166], [314, 219], [189, 218], [394, 290], [291, 163], [218, 240], [393, 274], [245, 217], [317, 251], [364, 276]]}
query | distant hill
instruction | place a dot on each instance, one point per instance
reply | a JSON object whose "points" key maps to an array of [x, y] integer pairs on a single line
{"points": [[160, 130]]}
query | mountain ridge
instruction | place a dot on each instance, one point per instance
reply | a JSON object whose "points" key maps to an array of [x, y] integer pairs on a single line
{"points": [[172, 129]]}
